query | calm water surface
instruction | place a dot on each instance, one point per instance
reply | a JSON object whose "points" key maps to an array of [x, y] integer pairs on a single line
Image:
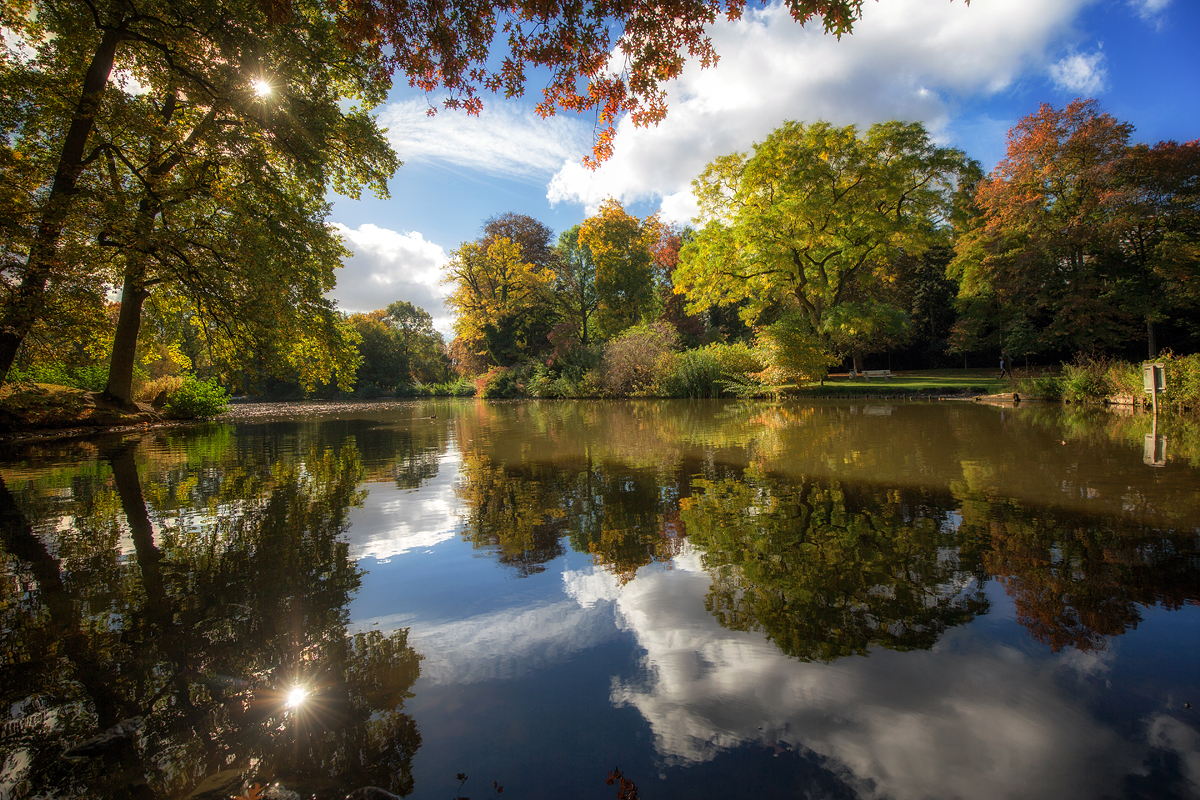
{"points": [[834, 600]]}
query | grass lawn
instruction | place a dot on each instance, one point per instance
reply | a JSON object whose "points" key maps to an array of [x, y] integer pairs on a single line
{"points": [[933, 381]]}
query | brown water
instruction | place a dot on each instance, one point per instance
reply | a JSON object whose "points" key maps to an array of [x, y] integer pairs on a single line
{"points": [[909, 600]]}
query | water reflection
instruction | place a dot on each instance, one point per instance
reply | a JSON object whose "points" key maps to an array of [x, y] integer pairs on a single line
{"points": [[831, 583], [525, 514], [977, 719], [171, 661], [834, 529], [828, 570]]}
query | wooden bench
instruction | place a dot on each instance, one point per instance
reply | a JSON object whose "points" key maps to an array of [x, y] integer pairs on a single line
{"points": [[877, 373]]}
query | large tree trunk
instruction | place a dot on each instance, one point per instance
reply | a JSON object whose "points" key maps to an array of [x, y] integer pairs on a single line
{"points": [[858, 365], [134, 291], [1151, 340], [27, 302], [129, 322]]}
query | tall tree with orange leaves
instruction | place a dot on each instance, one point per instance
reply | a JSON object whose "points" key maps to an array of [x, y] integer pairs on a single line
{"points": [[1036, 265], [1084, 240]]}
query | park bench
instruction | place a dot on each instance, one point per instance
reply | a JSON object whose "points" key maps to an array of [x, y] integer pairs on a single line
{"points": [[877, 373]]}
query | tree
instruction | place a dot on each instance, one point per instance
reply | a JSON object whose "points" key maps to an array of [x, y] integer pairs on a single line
{"points": [[619, 244], [814, 219], [1038, 257], [496, 295], [180, 44], [384, 360], [421, 343], [205, 71], [575, 290], [532, 236], [665, 254], [1158, 231], [233, 217]]}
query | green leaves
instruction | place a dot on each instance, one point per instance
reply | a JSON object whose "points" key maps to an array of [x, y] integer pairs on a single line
{"points": [[815, 217]]}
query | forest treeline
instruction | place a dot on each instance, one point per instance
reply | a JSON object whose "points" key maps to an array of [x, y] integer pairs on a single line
{"points": [[820, 246], [182, 151]]}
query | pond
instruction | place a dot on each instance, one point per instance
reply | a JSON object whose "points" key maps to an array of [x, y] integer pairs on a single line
{"points": [[719, 599]]}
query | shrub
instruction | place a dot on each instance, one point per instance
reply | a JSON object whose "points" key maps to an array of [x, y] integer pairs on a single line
{"points": [[738, 359], [1045, 387], [1183, 379], [542, 383], [1086, 381], [148, 391], [631, 360], [461, 387], [197, 399], [692, 373], [89, 377], [1124, 378], [498, 383], [794, 354]]}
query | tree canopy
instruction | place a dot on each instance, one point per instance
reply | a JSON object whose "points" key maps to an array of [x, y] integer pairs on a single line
{"points": [[496, 294], [1080, 236], [619, 244], [284, 74], [450, 46], [814, 219], [143, 127]]}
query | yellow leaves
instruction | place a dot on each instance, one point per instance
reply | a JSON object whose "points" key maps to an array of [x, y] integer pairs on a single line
{"points": [[492, 284]]}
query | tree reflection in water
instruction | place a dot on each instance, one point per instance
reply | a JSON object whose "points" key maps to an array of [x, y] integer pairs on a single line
{"points": [[624, 517], [1075, 580], [192, 645], [826, 567], [827, 570]]}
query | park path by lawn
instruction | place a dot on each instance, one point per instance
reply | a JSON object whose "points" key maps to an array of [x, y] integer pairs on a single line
{"points": [[924, 382]]}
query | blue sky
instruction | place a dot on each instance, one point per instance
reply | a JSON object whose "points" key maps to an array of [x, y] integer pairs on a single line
{"points": [[968, 72]]}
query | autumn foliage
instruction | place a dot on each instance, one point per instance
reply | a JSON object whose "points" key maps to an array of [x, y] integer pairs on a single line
{"points": [[446, 45]]}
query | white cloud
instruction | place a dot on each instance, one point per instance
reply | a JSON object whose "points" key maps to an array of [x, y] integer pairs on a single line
{"points": [[1150, 10], [503, 140], [969, 720], [907, 59], [1183, 740], [1080, 72], [504, 644], [394, 521], [387, 266]]}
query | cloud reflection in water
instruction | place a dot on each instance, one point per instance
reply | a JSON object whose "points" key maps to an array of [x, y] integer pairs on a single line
{"points": [[968, 719]]}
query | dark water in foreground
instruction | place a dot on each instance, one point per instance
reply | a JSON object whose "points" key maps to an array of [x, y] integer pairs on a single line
{"points": [[836, 600]]}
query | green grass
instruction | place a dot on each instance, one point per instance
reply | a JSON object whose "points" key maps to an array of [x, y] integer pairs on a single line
{"points": [[934, 381]]}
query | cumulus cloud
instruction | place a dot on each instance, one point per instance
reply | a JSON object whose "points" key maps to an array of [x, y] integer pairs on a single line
{"points": [[1083, 73], [972, 720], [907, 59], [1181, 739], [503, 140], [394, 521], [389, 265]]}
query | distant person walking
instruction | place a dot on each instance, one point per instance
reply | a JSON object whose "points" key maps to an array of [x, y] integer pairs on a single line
{"points": [[1005, 364]]}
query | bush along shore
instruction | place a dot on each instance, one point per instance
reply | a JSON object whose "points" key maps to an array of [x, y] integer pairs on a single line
{"points": [[1109, 381], [27, 406], [734, 371]]}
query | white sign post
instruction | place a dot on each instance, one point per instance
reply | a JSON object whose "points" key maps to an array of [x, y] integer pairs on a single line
{"points": [[1154, 380]]}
